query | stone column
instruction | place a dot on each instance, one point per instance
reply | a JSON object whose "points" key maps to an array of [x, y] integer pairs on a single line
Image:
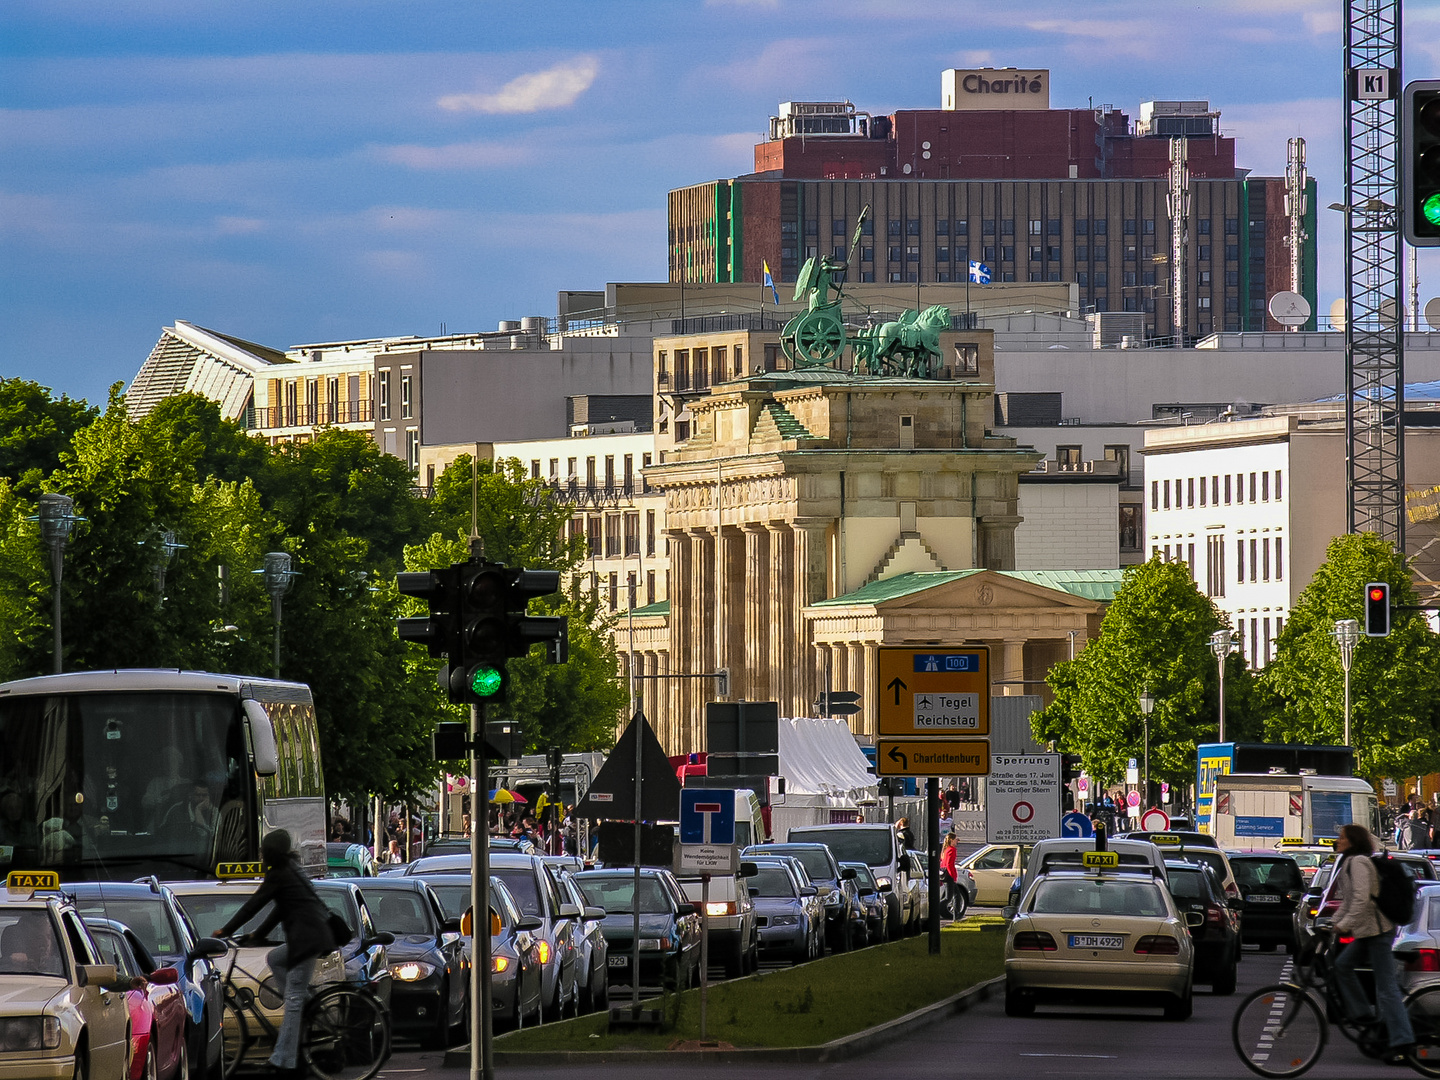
{"points": [[808, 544], [870, 690], [702, 634], [997, 541], [682, 595], [1012, 666], [758, 607], [731, 603], [780, 617], [839, 655]]}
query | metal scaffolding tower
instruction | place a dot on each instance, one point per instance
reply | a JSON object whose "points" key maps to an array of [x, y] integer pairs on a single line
{"points": [[1179, 199], [1374, 321]]}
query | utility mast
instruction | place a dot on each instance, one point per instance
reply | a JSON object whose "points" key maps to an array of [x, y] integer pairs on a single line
{"points": [[1179, 199], [1297, 205]]}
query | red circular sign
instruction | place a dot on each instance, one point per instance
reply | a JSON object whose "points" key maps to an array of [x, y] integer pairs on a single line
{"points": [[1133, 799], [1154, 820], [1023, 812]]}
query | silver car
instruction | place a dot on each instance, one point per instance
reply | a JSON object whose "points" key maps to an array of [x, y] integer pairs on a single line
{"points": [[535, 889], [516, 974], [1417, 945], [592, 961]]}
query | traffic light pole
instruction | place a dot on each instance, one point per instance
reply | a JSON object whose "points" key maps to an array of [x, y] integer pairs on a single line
{"points": [[932, 815], [482, 1058]]}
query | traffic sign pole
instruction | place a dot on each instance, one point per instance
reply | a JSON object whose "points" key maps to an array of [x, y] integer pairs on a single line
{"points": [[932, 813]]}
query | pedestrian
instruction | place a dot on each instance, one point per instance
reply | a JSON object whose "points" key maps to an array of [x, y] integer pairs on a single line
{"points": [[946, 821], [1357, 884], [393, 855], [859, 817], [904, 838], [949, 875]]}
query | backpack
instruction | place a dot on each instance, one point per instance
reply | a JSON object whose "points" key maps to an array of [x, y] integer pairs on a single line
{"points": [[1396, 898]]}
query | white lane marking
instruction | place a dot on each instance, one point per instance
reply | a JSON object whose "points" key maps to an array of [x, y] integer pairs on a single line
{"points": [[1093, 1056]]}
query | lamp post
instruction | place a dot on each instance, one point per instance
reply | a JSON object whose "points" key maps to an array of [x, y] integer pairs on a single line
{"points": [[278, 578], [57, 518], [1222, 644], [1347, 636], [1147, 706], [168, 545]]}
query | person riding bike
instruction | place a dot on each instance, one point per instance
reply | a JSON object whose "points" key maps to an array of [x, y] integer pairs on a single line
{"points": [[307, 937], [1356, 885]]}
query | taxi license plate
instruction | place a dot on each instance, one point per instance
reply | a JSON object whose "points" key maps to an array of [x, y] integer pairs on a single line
{"points": [[620, 961], [1263, 898], [1096, 941]]}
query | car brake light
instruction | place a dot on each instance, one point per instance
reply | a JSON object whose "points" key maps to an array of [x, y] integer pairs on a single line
{"points": [[1034, 941], [717, 908], [1343, 940], [1158, 945], [1424, 960], [1213, 914], [1329, 908]]}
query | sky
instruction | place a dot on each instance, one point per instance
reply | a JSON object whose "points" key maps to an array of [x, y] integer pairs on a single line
{"points": [[335, 169]]}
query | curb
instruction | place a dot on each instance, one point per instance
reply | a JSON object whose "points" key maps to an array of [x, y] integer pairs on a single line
{"points": [[842, 1049]]}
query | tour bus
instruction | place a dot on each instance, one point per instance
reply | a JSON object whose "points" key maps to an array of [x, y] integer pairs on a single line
{"points": [[114, 775]]}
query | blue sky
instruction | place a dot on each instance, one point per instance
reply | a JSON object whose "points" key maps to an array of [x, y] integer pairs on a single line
{"points": [[292, 172]]}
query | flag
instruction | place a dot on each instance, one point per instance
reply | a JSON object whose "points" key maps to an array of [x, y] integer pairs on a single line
{"points": [[770, 282], [979, 273]]}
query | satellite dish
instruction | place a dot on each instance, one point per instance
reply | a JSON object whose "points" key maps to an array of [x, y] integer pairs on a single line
{"points": [[1337, 314], [1387, 314], [1289, 308], [1432, 312]]}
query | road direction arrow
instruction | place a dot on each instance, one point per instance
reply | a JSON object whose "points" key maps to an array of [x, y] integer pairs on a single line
{"points": [[900, 759], [897, 685], [933, 757]]}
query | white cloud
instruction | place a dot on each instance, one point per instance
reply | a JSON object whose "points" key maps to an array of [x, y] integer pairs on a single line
{"points": [[466, 155], [554, 88]]}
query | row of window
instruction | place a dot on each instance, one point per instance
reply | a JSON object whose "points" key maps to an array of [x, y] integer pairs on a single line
{"points": [[603, 533], [407, 396], [1050, 227], [611, 585], [1183, 490], [1266, 561], [698, 368], [592, 473], [1083, 254]]}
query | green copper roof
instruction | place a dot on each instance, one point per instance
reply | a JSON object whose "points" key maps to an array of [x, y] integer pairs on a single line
{"points": [[661, 607], [1090, 584]]}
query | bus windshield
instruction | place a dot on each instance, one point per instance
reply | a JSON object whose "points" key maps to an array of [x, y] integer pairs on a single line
{"points": [[117, 785]]}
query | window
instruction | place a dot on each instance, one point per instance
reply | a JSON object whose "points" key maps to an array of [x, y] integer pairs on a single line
{"points": [[1007, 254], [1129, 279], [1265, 637], [988, 228], [649, 586], [609, 472], [1154, 494], [962, 228], [612, 535], [1203, 303], [1277, 485], [1165, 493], [1099, 229], [385, 395], [1203, 487], [1007, 227], [632, 535], [1052, 227], [406, 405], [1239, 561], [1129, 527], [1149, 226], [812, 227], [739, 360], [912, 227], [1082, 278], [614, 590], [592, 535], [1215, 491], [682, 369], [1215, 565], [590, 473], [967, 358], [912, 254], [1035, 227], [1279, 561], [1232, 226], [942, 228], [1265, 559], [650, 532], [1120, 453], [412, 449], [1082, 253], [1052, 252], [1203, 227], [1264, 487], [867, 228], [1202, 252], [1254, 644], [942, 254], [1068, 458], [1239, 487], [1253, 568], [1252, 487], [892, 228], [702, 369], [837, 227], [1101, 253], [1190, 560], [1190, 491], [1082, 226], [1129, 226], [1232, 252], [894, 253], [1035, 254], [720, 355], [534, 468]]}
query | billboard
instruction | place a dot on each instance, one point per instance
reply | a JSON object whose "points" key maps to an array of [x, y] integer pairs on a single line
{"points": [[1007, 89]]}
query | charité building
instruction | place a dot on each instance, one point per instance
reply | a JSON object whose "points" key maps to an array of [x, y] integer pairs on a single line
{"points": [[814, 515]]}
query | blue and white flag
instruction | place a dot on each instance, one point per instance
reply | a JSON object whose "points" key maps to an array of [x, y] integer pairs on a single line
{"points": [[979, 273], [770, 282]]}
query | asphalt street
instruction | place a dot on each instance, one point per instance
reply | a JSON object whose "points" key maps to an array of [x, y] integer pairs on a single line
{"points": [[1075, 1043]]}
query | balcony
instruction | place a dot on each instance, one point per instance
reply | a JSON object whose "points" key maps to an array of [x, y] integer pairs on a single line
{"points": [[288, 416]]}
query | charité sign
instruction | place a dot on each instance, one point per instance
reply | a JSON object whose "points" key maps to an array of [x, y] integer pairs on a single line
{"points": [[995, 88]]}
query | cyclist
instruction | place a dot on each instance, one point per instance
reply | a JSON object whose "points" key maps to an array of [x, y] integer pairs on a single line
{"points": [[307, 937], [1356, 885]]}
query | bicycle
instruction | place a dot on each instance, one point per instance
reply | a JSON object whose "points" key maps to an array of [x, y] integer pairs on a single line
{"points": [[1280, 1030], [344, 1034]]}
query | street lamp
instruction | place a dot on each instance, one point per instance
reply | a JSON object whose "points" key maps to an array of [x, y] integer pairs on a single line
{"points": [[278, 579], [1147, 706], [57, 519], [1222, 644], [165, 552], [1347, 636]]}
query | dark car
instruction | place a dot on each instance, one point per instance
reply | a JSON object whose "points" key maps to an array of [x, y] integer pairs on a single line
{"points": [[789, 927], [873, 902], [1195, 887], [430, 988], [669, 925], [366, 954], [446, 845], [1271, 886], [151, 911], [830, 879]]}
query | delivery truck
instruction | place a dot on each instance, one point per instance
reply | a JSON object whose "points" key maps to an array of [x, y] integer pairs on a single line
{"points": [[1263, 810]]}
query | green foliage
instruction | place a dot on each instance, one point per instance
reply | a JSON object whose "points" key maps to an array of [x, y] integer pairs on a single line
{"points": [[1155, 633], [1394, 680], [36, 427]]}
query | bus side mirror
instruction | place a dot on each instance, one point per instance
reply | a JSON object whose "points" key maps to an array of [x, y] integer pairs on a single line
{"points": [[262, 738]]}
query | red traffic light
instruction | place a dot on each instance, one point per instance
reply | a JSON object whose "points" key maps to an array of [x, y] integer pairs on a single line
{"points": [[1377, 609], [1377, 593]]}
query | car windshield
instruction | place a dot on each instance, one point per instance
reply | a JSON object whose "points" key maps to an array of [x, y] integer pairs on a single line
{"points": [[1310, 859], [398, 911], [520, 880], [771, 881], [29, 945], [1186, 884], [213, 910], [873, 847], [1321, 878], [863, 877], [615, 893], [1212, 859], [455, 899], [1102, 896], [146, 917], [815, 861], [1280, 874]]}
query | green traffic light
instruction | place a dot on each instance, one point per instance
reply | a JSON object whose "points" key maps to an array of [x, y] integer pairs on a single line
{"points": [[485, 681], [1430, 209]]}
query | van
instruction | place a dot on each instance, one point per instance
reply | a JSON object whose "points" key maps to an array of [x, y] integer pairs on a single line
{"points": [[1260, 810], [878, 848]]}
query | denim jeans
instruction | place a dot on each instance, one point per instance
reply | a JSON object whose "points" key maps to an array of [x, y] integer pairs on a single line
{"points": [[294, 982], [1389, 1004]]}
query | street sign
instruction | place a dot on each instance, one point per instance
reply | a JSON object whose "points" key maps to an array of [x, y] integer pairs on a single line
{"points": [[932, 757], [1083, 784], [1132, 775], [838, 703], [1022, 798], [1133, 799], [1076, 825], [934, 691], [707, 816], [1154, 820], [742, 727], [707, 859]]}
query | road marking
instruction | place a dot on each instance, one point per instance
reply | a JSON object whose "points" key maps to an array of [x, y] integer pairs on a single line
{"points": [[1093, 1056]]}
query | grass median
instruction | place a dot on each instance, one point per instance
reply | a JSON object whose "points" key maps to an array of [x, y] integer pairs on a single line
{"points": [[799, 1006]]}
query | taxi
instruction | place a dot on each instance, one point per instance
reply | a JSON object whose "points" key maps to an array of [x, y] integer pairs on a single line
{"points": [[210, 904], [1100, 927], [1309, 857], [62, 1012]]}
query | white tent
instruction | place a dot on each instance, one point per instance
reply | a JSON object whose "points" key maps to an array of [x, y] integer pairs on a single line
{"points": [[824, 770]]}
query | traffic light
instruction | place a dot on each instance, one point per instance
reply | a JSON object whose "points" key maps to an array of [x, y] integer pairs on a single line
{"points": [[1377, 609], [477, 673], [1070, 766], [1420, 163], [526, 630], [439, 588]]}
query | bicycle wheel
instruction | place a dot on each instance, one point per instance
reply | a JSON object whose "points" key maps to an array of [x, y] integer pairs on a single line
{"points": [[1424, 1009], [1279, 1031], [346, 1034], [234, 1037]]}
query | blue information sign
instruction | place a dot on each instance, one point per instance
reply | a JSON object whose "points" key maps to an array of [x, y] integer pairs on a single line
{"points": [[1076, 825], [707, 816]]}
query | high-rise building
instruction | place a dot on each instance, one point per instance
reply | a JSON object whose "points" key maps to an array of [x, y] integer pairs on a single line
{"points": [[998, 177]]}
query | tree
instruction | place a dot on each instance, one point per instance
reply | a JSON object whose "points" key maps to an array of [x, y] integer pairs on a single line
{"points": [[1155, 634], [1394, 680], [36, 427]]}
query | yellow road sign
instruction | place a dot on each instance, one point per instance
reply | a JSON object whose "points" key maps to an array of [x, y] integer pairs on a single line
{"points": [[933, 757], [934, 691]]}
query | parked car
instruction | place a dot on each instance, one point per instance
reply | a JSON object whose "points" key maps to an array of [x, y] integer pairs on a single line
{"points": [[156, 917], [918, 885], [789, 927], [1192, 847], [669, 925], [446, 845], [1271, 886], [154, 1001], [1420, 869], [349, 860], [592, 955], [1310, 857], [874, 902], [535, 889], [829, 878], [730, 920], [1194, 887], [431, 992], [994, 867], [367, 953], [878, 848]]}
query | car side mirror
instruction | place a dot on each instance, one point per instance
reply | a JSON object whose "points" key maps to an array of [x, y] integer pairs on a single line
{"points": [[592, 912], [569, 911], [380, 937], [688, 909], [450, 926], [885, 886], [1194, 919], [529, 923], [748, 869], [1008, 911], [847, 873], [165, 976], [100, 974], [809, 890], [207, 948]]}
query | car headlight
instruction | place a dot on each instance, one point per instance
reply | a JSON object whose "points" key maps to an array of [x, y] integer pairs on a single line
{"points": [[655, 944], [785, 920], [832, 899], [30, 1033], [412, 970], [544, 951], [499, 964], [717, 908]]}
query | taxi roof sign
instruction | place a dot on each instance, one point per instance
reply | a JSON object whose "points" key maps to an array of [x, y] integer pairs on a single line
{"points": [[1100, 859], [227, 871], [1160, 839], [32, 881], [1296, 841]]}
